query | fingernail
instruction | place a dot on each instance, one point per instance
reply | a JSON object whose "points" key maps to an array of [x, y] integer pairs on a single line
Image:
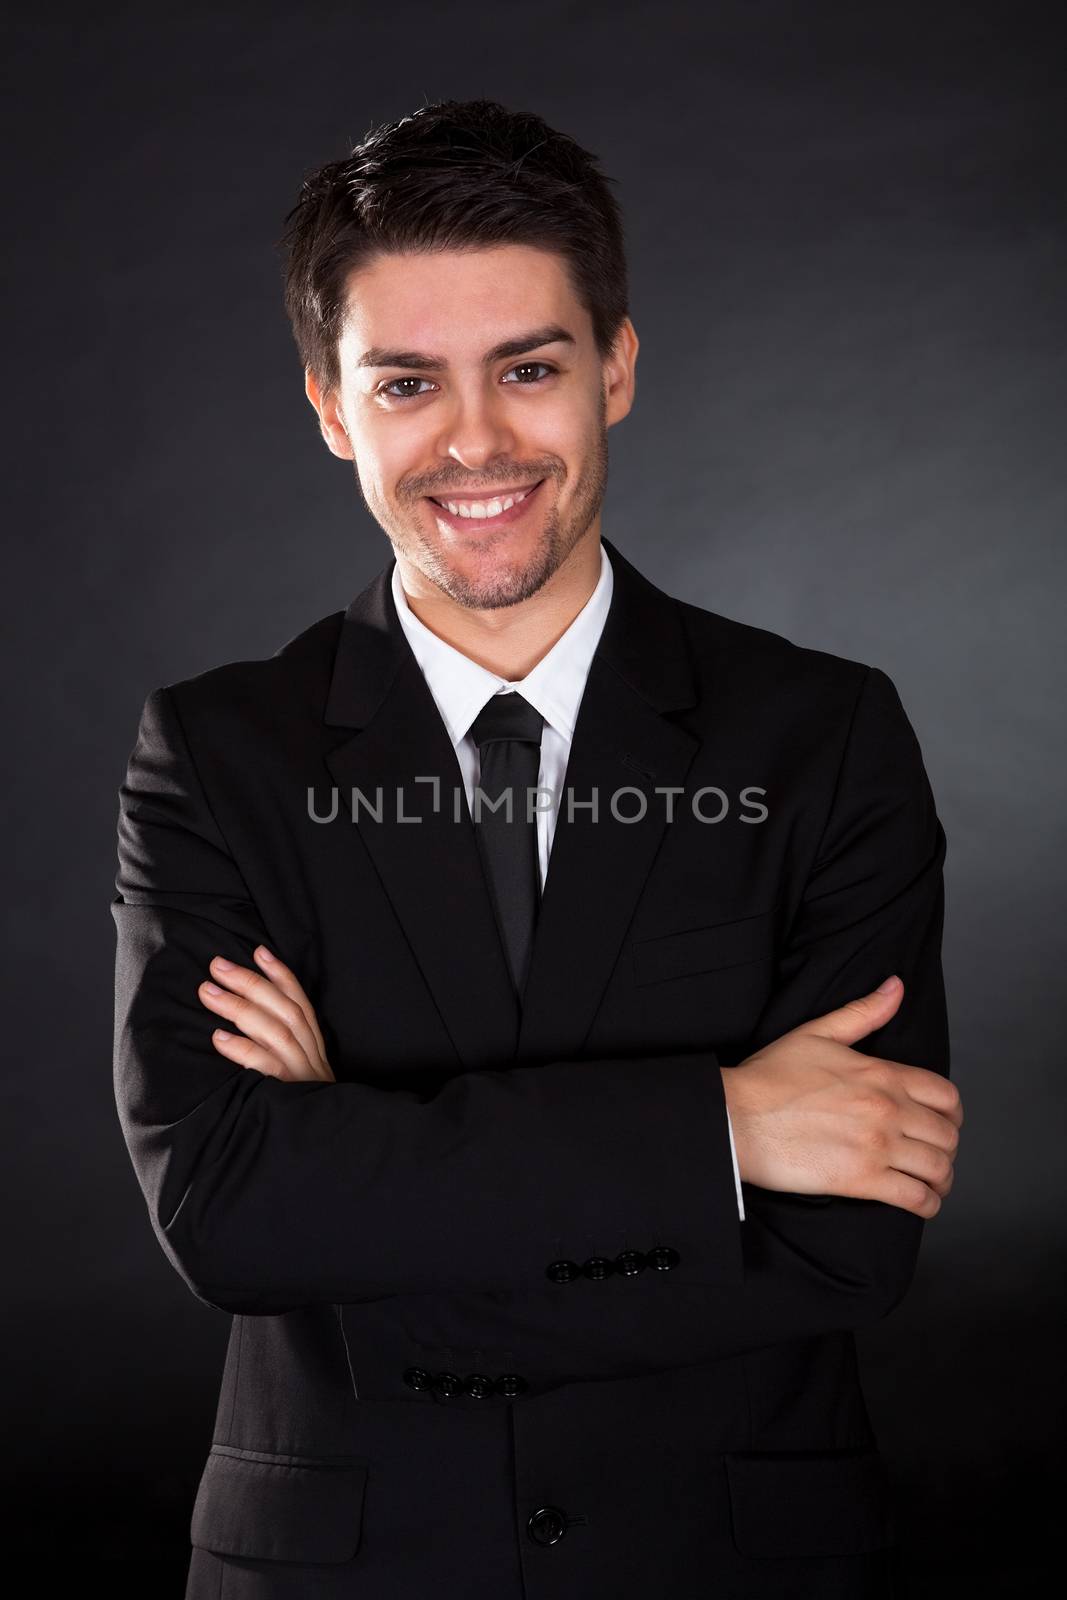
{"points": [[888, 986], [220, 1033], [212, 988], [265, 953], [221, 964]]}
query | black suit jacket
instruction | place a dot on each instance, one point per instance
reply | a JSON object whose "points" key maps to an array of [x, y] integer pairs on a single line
{"points": [[497, 1327]]}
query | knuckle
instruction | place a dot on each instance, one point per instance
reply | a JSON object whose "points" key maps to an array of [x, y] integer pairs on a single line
{"points": [[875, 1144], [864, 1171], [881, 1074], [877, 1104], [874, 1138]]}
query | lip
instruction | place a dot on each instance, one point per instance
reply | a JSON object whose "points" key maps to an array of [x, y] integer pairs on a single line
{"points": [[476, 524], [487, 494]]}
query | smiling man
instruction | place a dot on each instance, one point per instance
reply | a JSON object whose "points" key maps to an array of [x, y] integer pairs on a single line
{"points": [[502, 516], [530, 1024]]}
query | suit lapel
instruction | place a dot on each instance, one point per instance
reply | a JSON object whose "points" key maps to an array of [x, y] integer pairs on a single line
{"points": [[431, 869], [597, 869]]}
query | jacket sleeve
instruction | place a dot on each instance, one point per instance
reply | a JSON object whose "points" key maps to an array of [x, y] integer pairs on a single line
{"points": [[873, 905], [266, 1195]]}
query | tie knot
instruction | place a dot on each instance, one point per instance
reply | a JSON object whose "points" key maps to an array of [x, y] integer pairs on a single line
{"points": [[507, 716]]}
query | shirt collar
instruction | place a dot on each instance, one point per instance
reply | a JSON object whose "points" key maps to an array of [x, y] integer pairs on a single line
{"points": [[554, 687]]}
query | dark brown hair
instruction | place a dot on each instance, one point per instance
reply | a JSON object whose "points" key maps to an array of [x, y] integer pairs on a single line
{"points": [[452, 175]]}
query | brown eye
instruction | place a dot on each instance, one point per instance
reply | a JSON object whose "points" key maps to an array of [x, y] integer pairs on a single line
{"points": [[386, 387], [528, 366]]}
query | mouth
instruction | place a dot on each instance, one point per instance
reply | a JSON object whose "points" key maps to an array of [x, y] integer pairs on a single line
{"points": [[474, 512]]}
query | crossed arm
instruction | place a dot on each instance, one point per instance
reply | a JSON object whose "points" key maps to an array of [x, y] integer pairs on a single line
{"points": [[270, 1186], [811, 1115]]}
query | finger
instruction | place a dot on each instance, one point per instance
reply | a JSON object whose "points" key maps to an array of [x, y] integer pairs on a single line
{"points": [[930, 1089], [265, 994], [287, 980], [246, 1053], [921, 1160], [910, 1194], [920, 1122], [857, 1018], [262, 1026]]}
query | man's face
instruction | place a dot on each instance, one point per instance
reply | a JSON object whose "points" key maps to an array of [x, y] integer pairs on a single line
{"points": [[433, 408]]}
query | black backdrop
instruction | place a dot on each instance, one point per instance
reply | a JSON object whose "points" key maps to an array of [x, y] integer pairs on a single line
{"points": [[847, 245]]}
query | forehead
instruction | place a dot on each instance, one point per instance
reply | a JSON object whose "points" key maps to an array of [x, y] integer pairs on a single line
{"points": [[457, 302]]}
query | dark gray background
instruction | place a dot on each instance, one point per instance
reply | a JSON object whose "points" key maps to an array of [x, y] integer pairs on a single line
{"points": [[847, 242]]}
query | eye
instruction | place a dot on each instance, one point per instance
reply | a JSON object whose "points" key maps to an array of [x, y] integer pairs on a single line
{"points": [[526, 366], [385, 388], [389, 387]]}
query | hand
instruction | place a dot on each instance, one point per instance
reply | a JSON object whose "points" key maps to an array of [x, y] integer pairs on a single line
{"points": [[811, 1116], [283, 1038]]}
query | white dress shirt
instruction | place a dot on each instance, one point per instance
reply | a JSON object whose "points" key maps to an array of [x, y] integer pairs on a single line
{"points": [[554, 687]]}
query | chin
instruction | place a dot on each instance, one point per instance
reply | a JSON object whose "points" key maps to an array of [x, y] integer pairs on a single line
{"points": [[486, 579]]}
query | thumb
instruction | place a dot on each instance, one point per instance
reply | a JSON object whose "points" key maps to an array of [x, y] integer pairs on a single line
{"points": [[857, 1018]]}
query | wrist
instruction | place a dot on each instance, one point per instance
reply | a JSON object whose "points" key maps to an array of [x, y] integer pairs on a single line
{"points": [[734, 1095]]}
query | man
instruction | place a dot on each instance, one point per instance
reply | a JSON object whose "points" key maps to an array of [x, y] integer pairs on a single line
{"points": [[529, 1013]]}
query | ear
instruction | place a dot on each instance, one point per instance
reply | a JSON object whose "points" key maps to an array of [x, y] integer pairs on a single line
{"points": [[620, 378], [332, 424]]}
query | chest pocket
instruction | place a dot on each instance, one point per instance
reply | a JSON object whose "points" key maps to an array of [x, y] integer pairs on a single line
{"points": [[713, 948]]}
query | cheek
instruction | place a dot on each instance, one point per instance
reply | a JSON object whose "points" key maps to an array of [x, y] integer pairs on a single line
{"points": [[565, 434], [385, 460]]}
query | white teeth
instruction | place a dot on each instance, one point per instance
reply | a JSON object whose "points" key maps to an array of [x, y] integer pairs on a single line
{"points": [[484, 508]]}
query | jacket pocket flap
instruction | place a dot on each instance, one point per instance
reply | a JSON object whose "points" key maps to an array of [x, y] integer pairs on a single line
{"points": [[722, 944], [279, 1508], [810, 1503]]}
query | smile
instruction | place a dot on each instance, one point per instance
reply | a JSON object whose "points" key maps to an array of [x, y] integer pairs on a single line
{"points": [[497, 509]]}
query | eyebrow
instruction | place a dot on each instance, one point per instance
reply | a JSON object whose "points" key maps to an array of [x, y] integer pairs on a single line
{"points": [[551, 334]]}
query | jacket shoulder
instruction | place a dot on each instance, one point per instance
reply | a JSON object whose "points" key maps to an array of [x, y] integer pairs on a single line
{"points": [[261, 691], [741, 653]]}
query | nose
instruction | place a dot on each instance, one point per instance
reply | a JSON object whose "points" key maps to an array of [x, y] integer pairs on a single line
{"points": [[476, 430]]}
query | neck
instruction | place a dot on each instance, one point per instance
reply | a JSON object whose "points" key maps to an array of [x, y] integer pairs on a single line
{"points": [[509, 640]]}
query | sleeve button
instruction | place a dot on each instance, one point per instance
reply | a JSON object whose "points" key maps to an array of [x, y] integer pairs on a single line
{"points": [[511, 1384], [418, 1378], [447, 1384], [662, 1258], [598, 1267]]}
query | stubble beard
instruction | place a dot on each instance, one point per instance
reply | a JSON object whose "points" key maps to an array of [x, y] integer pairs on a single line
{"points": [[505, 585]]}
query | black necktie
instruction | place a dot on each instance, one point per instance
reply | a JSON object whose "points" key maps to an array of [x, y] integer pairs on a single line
{"points": [[507, 732]]}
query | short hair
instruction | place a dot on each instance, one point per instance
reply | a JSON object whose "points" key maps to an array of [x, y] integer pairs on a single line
{"points": [[452, 175]]}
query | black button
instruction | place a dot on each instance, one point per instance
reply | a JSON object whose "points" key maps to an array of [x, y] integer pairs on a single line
{"points": [[418, 1378], [510, 1385], [662, 1258], [547, 1525], [447, 1384], [563, 1271], [598, 1267], [630, 1263], [478, 1385]]}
